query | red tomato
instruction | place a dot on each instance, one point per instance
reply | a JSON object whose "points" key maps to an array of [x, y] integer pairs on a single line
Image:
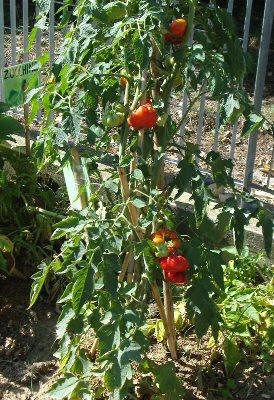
{"points": [[178, 27], [176, 277], [174, 263], [143, 117]]}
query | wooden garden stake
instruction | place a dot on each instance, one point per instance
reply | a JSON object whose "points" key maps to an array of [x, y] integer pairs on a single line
{"points": [[26, 120], [132, 210], [160, 184], [162, 311], [131, 269], [124, 267], [169, 309], [79, 179], [94, 348]]}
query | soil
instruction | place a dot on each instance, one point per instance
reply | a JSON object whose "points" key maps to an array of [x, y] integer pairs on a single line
{"points": [[26, 342], [27, 364]]}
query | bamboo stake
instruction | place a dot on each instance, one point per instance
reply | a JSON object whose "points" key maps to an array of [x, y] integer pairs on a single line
{"points": [[77, 171], [131, 269], [169, 309], [170, 340], [143, 100], [125, 188], [160, 184], [124, 267], [94, 348]]}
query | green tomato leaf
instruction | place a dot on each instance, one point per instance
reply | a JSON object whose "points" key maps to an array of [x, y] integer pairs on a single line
{"points": [[138, 175], [112, 185], [4, 107], [39, 280], [138, 203], [266, 222], [215, 268], [9, 126], [252, 123], [169, 384], [232, 355], [160, 331], [63, 387], [82, 288], [252, 313], [65, 317], [111, 267]]}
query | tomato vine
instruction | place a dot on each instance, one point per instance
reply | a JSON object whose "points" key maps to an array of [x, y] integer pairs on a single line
{"points": [[108, 258]]}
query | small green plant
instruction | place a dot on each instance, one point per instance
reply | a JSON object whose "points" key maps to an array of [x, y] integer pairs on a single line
{"points": [[246, 308], [27, 200], [155, 327]]}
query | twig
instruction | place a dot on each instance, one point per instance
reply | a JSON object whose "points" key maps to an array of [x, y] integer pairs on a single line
{"points": [[46, 212], [126, 193]]}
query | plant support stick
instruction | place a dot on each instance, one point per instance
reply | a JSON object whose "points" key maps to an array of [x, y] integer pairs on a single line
{"points": [[170, 338]]}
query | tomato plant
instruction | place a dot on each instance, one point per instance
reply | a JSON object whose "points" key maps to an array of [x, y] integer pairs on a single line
{"points": [[108, 258]]}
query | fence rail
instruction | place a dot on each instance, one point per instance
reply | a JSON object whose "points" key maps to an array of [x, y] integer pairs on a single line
{"points": [[13, 49]]}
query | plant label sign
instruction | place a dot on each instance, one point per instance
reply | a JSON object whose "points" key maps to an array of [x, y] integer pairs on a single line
{"points": [[15, 80]]}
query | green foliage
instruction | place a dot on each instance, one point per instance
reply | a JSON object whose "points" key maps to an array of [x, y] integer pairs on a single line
{"points": [[246, 309], [8, 125], [22, 194]]}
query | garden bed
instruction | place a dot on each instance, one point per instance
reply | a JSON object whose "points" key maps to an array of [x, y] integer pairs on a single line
{"points": [[27, 363]]}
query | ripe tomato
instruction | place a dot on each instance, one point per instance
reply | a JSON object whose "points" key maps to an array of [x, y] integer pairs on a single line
{"points": [[143, 117], [176, 277], [178, 27], [177, 31], [123, 82], [169, 238], [174, 263], [157, 239]]}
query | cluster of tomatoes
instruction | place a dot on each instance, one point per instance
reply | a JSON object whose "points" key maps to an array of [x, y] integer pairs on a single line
{"points": [[166, 243], [145, 116]]}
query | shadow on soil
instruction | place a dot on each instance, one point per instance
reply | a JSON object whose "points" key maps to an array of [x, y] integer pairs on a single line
{"points": [[26, 337]]}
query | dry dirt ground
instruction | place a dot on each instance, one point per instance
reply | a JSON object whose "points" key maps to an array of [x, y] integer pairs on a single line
{"points": [[27, 364], [26, 342]]}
